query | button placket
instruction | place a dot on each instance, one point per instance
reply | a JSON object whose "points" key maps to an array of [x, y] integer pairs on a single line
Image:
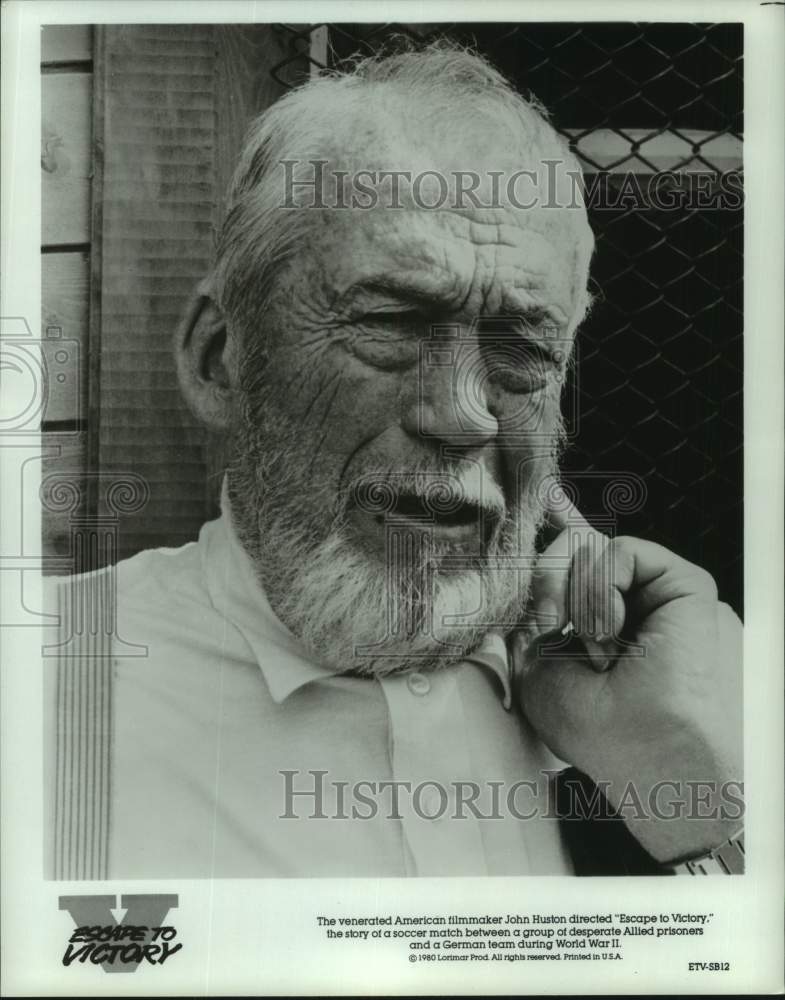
{"points": [[429, 749]]}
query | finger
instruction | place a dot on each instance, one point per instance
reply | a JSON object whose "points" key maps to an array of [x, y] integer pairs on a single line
{"points": [[596, 607], [550, 580], [585, 599], [653, 576], [596, 604]]}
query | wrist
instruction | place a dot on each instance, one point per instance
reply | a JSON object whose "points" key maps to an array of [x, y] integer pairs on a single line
{"points": [[727, 858], [675, 842], [693, 810], [677, 819]]}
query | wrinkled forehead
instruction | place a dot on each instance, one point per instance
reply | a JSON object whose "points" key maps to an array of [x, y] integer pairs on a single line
{"points": [[459, 202], [470, 260], [410, 190]]}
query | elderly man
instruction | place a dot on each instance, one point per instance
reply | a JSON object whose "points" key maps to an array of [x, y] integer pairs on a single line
{"points": [[384, 655]]}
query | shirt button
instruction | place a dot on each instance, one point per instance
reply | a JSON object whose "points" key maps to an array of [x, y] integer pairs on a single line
{"points": [[418, 683]]}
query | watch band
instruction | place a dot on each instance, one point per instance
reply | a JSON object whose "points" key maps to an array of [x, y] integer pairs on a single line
{"points": [[727, 859]]}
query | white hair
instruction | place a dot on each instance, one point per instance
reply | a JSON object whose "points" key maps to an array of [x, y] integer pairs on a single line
{"points": [[435, 84]]}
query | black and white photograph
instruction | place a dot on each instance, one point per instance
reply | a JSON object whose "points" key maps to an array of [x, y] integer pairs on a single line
{"points": [[388, 453], [468, 350]]}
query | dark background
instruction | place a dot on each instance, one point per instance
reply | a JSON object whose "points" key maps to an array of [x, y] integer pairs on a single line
{"points": [[660, 374]]}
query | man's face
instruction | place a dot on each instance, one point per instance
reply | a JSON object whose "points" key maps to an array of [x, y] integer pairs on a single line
{"points": [[400, 420]]}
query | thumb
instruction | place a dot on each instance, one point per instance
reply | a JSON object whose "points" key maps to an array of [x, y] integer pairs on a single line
{"points": [[566, 532]]}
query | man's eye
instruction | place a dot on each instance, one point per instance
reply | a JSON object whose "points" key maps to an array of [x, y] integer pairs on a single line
{"points": [[388, 339], [407, 322], [518, 365]]}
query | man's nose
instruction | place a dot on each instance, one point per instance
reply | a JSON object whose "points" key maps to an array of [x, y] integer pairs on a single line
{"points": [[452, 400]]}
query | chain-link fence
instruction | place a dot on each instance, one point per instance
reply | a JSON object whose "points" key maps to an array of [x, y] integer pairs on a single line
{"points": [[654, 112]]}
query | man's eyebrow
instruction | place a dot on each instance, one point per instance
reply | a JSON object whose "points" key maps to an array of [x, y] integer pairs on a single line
{"points": [[407, 291], [534, 316], [431, 297]]}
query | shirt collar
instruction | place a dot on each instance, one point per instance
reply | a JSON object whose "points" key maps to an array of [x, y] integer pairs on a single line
{"points": [[237, 594], [492, 653]]}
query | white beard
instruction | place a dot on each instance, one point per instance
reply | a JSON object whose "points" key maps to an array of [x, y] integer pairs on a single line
{"points": [[366, 613], [377, 616]]}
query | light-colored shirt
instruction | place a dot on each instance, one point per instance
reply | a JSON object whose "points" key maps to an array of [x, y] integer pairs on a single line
{"points": [[193, 736]]}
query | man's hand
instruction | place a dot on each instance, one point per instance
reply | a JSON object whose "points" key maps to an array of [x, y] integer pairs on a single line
{"points": [[653, 691]]}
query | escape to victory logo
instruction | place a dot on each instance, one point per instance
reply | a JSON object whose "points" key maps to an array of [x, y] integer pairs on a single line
{"points": [[142, 935]]}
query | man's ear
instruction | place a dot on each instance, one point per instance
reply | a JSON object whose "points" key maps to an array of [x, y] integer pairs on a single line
{"points": [[200, 351]]}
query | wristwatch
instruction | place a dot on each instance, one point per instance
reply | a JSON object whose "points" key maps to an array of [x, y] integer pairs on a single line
{"points": [[727, 859]]}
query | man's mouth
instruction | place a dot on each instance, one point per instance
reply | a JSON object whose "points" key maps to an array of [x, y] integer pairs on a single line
{"points": [[448, 519]]}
